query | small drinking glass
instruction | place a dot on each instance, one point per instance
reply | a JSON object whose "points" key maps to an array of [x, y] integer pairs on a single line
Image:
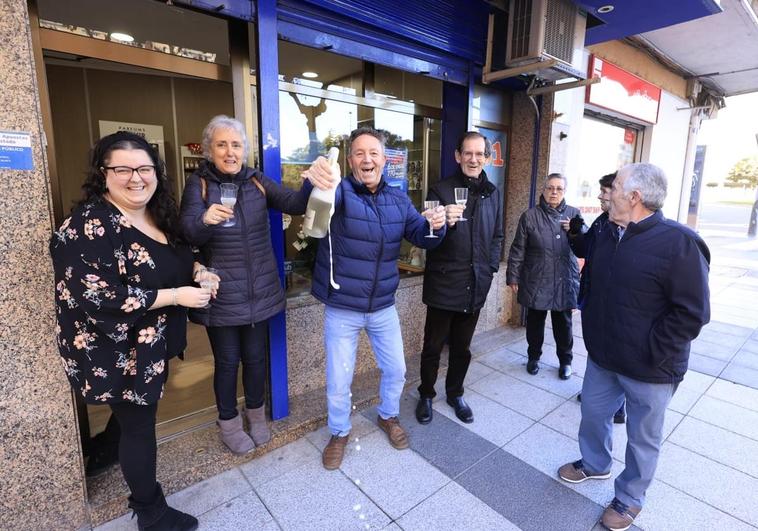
{"points": [[461, 197], [431, 205], [229, 198], [208, 283]]}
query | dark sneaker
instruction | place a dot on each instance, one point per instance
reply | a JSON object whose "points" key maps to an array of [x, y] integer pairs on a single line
{"points": [[532, 367], [334, 451], [576, 473], [395, 432], [619, 516]]}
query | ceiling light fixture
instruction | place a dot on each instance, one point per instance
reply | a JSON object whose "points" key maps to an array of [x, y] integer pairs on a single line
{"points": [[605, 9], [310, 75], [121, 37]]}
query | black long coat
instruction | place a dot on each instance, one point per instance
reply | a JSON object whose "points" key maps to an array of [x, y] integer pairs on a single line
{"points": [[541, 261], [459, 272]]}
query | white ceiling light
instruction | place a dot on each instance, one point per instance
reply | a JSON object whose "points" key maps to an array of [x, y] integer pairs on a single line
{"points": [[121, 37], [605, 9], [310, 75]]}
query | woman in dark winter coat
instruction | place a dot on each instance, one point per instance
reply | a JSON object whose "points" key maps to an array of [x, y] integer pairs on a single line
{"points": [[544, 273], [123, 283], [236, 241]]}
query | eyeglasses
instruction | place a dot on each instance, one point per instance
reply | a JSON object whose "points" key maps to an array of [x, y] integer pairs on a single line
{"points": [[126, 172], [555, 189]]}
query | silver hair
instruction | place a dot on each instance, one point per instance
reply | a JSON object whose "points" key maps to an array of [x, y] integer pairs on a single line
{"points": [[370, 131], [556, 176], [223, 121], [649, 180]]}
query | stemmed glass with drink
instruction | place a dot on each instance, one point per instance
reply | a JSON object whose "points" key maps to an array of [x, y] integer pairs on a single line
{"points": [[461, 197], [229, 199], [431, 205]]}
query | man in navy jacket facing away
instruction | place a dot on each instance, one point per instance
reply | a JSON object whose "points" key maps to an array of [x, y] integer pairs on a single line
{"points": [[647, 300], [369, 223]]}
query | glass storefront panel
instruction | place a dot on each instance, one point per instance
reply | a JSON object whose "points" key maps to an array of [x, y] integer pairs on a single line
{"points": [[319, 69], [415, 88], [311, 125], [605, 147]]}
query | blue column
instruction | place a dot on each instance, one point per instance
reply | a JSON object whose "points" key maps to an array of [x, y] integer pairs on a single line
{"points": [[267, 55]]}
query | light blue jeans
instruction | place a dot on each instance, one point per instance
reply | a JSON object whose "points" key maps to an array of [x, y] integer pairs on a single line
{"points": [[603, 393], [341, 330]]}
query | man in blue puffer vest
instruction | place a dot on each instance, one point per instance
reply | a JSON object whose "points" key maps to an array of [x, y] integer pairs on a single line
{"points": [[369, 223], [647, 300]]}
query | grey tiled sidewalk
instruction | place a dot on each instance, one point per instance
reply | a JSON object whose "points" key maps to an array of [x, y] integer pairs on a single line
{"points": [[500, 471]]}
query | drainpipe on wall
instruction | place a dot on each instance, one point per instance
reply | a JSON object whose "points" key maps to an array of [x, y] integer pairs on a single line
{"points": [[696, 117]]}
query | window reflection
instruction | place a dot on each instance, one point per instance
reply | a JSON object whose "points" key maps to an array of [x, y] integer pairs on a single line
{"points": [[310, 126]]}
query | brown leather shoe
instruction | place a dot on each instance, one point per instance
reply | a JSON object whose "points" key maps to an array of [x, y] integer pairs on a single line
{"points": [[618, 516], [334, 452], [395, 432]]}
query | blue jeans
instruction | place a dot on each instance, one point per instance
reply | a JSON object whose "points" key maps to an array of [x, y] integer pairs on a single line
{"points": [[603, 393], [341, 330]]}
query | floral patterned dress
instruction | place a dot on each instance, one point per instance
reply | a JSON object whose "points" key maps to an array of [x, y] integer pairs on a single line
{"points": [[107, 274]]}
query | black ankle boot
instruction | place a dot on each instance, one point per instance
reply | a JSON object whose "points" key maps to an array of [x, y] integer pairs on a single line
{"points": [[158, 516]]}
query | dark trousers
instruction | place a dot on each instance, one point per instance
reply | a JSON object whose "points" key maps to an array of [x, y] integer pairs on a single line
{"points": [[137, 448], [535, 334], [232, 345], [458, 329]]}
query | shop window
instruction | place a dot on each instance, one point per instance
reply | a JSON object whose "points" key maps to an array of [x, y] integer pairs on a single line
{"points": [[415, 88], [144, 24], [490, 105], [310, 126], [319, 69]]}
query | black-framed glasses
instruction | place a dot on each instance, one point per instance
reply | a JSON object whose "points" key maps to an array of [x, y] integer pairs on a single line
{"points": [[126, 172]]}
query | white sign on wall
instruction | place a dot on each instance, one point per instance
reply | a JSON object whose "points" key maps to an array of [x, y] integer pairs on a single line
{"points": [[152, 133]]}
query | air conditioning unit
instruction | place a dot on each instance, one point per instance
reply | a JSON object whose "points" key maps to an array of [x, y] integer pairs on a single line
{"points": [[540, 30]]}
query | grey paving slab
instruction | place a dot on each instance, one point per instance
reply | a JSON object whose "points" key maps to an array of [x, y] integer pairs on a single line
{"points": [[519, 492], [453, 508], [697, 381], [718, 444], [684, 399], [515, 366], [446, 445], [122, 523], [669, 509], [396, 480], [566, 420], [211, 493], [476, 371], [728, 416], [277, 462], [745, 358], [706, 365], [528, 400], [547, 450], [243, 513], [713, 350], [502, 359], [312, 498], [720, 338], [751, 346], [727, 489], [579, 365], [726, 328], [492, 421], [737, 394], [741, 375]]}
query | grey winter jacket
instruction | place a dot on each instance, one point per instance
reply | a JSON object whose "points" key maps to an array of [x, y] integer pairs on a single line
{"points": [[540, 260], [250, 289]]}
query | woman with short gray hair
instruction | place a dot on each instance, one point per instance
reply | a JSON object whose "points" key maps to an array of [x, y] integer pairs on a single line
{"points": [[235, 239], [544, 273]]}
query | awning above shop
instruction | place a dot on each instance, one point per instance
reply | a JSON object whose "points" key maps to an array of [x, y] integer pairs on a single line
{"points": [[715, 42], [616, 19]]}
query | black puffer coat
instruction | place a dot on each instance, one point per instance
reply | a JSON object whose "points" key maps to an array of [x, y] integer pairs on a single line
{"points": [[250, 289], [541, 261], [459, 272]]}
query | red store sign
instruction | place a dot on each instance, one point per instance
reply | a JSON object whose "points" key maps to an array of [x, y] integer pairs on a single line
{"points": [[622, 92]]}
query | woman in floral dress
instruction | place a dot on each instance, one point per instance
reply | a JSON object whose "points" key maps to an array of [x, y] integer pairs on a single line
{"points": [[124, 281]]}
